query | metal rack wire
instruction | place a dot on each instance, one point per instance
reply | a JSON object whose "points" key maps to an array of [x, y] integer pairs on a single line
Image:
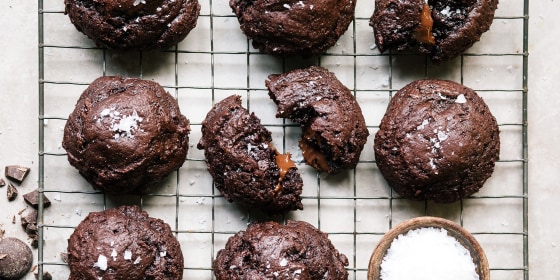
{"points": [[210, 65]]}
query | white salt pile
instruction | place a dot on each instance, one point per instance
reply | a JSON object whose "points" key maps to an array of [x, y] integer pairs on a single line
{"points": [[427, 253]]}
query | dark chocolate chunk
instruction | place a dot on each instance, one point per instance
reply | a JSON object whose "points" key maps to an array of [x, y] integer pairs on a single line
{"points": [[46, 275], [35, 242], [12, 192], [29, 218], [17, 260], [64, 257], [32, 198], [2, 182], [16, 172], [29, 224]]}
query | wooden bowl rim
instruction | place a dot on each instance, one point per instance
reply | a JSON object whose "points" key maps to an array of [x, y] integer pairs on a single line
{"points": [[467, 240]]}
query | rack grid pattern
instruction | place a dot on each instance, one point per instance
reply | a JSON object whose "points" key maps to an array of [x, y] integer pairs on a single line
{"points": [[356, 207]]}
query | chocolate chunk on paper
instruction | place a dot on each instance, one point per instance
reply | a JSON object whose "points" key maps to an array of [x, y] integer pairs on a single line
{"points": [[2, 182], [16, 173], [12, 192], [32, 198], [46, 275]]}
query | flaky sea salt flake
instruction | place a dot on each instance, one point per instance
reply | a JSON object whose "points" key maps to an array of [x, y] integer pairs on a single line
{"points": [[101, 263], [127, 255], [461, 99]]}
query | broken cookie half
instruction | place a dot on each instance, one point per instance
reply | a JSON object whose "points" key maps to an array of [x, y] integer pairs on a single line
{"points": [[333, 126], [243, 162]]}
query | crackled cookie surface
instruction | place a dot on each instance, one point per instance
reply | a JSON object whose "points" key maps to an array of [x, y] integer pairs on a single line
{"points": [[437, 141], [333, 128], [124, 243], [287, 27], [125, 134], [134, 24], [243, 162], [440, 28], [268, 250]]}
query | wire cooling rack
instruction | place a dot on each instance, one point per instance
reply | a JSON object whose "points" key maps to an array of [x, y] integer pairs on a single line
{"points": [[356, 207]]}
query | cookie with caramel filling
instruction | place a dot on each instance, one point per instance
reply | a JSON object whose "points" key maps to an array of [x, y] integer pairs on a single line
{"points": [[442, 29], [334, 129], [243, 162]]}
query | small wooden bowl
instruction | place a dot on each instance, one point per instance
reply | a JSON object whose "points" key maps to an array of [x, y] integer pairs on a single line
{"points": [[453, 229]]}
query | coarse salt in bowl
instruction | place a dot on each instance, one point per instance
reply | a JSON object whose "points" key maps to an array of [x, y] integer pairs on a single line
{"points": [[428, 248]]}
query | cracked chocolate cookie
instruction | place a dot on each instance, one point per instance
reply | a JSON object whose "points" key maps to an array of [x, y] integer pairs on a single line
{"points": [[334, 129], [442, 29], [134, 24], [124, 243], [125, 134], [268, 250], [437, 141], [243, 162], [291, 27]]}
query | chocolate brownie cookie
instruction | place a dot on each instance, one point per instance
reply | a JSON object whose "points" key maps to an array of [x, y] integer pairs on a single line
{"points": [[134, 24], [334, 129], [245, 166], [437, 141], [290, 27], [440, 28], [125, 134], [268, 250], [124, 243]]}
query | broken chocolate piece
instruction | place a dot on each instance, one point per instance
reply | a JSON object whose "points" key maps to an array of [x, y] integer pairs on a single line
{"points": [[46, 275], [16, 172], [32, 198], [30, 218], [18, 259], [29, 224], [35, 242], [2, 182], [64, 257], [12, 192]]}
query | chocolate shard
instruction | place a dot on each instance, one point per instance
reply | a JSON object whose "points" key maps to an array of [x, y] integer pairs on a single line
{"points": [[2, 182], [46, 275], [12, 192], [16, 173], [64, 257], [29, 224], [32, 198], [35, 242], [29, 218]]}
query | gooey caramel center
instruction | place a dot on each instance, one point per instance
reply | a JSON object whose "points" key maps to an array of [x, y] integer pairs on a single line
{"points": [[424, 32]]}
